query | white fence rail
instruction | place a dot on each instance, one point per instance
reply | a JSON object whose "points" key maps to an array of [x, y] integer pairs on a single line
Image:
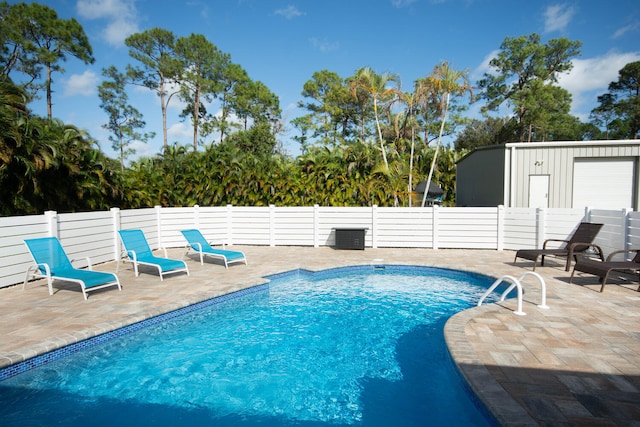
{"points": [[95, 234]]}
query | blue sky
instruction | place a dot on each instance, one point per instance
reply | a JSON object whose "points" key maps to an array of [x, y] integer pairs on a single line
{"points": [[282, 43]]}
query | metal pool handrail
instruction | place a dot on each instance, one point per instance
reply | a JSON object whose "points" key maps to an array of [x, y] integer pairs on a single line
{"points": [[515, 283]]}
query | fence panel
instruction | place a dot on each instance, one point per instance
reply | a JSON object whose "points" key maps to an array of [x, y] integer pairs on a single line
{"points": [[404, 227], [13, 252], [346, 217], [520, 228], [633, 231], [293, 226], [474, 228], [212, 222], [561, 223], [93, 233], [143, 219], [612, 236], [250, 225], [87, 234], [172, 220]]}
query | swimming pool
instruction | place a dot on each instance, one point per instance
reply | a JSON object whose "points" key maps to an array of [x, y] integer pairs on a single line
{"points": [[352, 346]]}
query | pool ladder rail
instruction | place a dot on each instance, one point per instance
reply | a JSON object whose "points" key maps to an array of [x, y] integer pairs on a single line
{"points": [[515, 283]]}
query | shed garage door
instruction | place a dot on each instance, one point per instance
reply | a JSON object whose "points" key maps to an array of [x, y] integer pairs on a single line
{"points": [[603, 183]]}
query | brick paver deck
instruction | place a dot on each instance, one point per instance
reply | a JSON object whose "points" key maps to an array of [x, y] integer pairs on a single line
{"points": [[577, 363]]}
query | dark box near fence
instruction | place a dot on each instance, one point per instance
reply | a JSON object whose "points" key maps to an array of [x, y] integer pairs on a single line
{"points": [[349, 238]]}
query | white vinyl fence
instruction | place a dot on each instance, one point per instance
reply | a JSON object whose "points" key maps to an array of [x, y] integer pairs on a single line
{"points": [[94, 234]]}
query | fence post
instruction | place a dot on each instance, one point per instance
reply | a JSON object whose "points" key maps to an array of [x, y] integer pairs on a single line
{"points": [[229, 224], [159, 225], [272, 225], [316, 221], [625, 228], [115, 216], [51, 220], [436, 236], [196, 216], [501, 213], [374, 226], [540, 227]]}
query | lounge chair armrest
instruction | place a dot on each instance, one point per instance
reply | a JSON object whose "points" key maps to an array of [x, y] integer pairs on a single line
{"points": [[597, 248], [217, 244], [544, 245], [131, 255], [621, 251], [86, 259], [45, 266]]}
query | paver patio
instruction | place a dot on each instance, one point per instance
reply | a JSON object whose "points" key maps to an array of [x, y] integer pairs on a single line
{"points": [[577, 363]]}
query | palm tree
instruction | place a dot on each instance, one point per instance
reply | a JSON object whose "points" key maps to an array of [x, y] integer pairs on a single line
{"points": [[444, 82], [13, 108], [377, 86], [411, 102]]}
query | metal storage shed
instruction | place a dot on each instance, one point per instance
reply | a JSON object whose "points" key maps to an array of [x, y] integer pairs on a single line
{"points": [[559, 174]]}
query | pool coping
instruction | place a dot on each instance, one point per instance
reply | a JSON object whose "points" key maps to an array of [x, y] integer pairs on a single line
{"points": [[478, 378]]}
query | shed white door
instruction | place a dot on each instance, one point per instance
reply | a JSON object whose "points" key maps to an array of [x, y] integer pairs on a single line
{"points": [[603, 183], [538, 191]]}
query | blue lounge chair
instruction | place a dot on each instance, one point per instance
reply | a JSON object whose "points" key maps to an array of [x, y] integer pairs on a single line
{"points": [[138, 252], [52, 263], [198, 243]]}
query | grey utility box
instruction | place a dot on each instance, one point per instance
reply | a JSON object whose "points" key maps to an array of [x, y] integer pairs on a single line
{"points": [[349, 238]]}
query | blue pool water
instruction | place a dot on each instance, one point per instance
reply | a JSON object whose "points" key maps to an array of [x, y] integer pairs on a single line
{"points": [[344, 347]]}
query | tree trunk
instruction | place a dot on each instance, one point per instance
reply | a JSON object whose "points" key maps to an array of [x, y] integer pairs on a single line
{"points": [[196, 118], [164, 116], [49, 112], [384, 153], [435, 155]]}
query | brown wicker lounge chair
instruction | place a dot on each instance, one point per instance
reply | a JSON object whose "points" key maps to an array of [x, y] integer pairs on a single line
{"points": [[580, 241], [603, 268]]}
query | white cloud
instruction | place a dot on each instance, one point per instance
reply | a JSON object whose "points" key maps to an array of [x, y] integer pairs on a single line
{"points": [[120, 14], [81, 84], [484, 66], [95, 9], [142, 149], [402, 3], [179, 132], [557, 17], [116, 31], [324, 45], [624, 30], [591, 77], [289, 12]]}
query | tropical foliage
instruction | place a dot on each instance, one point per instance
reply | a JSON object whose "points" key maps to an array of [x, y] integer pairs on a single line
{"points": [[48, 165], [619, 109], [363, 139], [525, 77]]}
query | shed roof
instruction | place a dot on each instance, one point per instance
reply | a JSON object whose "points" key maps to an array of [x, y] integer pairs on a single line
{"points": [[434, 189]]}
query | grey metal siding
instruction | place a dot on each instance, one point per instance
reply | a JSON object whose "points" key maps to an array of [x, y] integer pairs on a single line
{"points": [[480, 178], [557, 162]]}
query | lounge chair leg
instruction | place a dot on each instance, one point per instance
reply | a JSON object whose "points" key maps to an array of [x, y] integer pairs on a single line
{"points": [[604, 282]]}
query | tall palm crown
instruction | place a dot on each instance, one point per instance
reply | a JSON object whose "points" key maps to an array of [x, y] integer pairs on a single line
{"points": [[443, 83], [378, 86]]}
